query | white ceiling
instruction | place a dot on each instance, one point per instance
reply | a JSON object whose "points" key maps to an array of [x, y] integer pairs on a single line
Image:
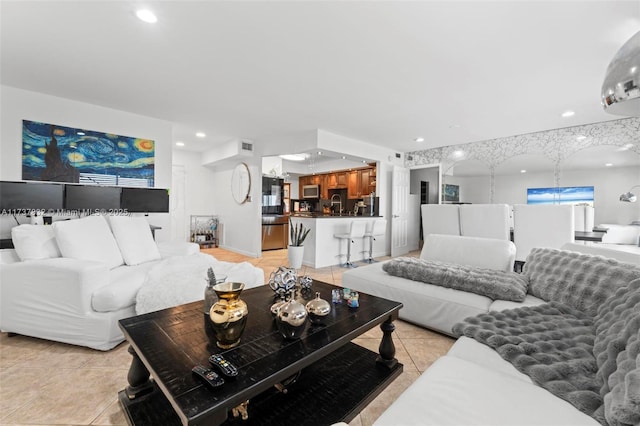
{"points": [[384, 72]]}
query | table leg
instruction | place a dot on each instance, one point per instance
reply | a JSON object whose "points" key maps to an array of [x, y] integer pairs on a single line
{"points": [[138, 377], [387, 349]]}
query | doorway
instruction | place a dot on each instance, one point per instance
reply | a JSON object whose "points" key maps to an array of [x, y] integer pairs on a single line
{"points": [[424, 189], [424, 199]]}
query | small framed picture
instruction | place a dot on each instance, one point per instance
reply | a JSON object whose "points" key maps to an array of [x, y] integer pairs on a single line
{"points": [[201, 238]]}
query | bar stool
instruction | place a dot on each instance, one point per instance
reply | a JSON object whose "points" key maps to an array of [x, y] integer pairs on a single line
{"points": [[378, 228], [356, 230]]}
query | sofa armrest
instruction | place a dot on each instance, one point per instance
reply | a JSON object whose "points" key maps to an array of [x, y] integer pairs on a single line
{"points": [[177, 248], [53, 284], [8, 256]]}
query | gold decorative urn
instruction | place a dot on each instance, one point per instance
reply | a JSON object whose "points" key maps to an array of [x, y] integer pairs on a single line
{"points": [[229, 314]]}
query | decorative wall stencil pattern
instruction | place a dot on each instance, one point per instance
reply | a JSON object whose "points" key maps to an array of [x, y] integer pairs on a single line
{"points": [[63, 154], [556, 145]]}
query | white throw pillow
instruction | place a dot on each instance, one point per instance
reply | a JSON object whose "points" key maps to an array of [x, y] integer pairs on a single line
{"points": [[33, 242], [88, 238], [621, 234], [134, 238]]}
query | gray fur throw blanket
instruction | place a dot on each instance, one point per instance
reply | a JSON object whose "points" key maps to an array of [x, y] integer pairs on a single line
{"points": [[593, 362], [486, 282], [582, 281]]}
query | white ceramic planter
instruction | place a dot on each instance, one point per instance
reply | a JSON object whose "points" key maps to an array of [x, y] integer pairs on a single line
{"points": [[294, 254]]}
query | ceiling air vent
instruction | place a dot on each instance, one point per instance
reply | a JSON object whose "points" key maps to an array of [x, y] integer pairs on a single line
{"points": [[398, 155], [247, 146]]}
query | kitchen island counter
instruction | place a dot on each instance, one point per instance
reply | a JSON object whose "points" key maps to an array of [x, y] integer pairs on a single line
{"points": [[322, 249], [331, 216]]}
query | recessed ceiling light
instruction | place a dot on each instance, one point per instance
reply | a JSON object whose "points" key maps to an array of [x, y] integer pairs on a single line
{"points": [[200, 135], [523, 171], [581, 138], [364, 161], [458, 153], [147, 16], [609, 164], [344, 157], [179, 143], [319, 152], [568, 113], [294, 157], [420, 139]]}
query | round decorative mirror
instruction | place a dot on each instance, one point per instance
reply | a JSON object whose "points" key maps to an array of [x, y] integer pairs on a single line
{"points": [[241, 183]]}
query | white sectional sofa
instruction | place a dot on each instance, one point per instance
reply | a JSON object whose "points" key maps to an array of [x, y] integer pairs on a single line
{"points": [[71, 282], [473, 386], [476, 384], [430, 305], [622, 252]]}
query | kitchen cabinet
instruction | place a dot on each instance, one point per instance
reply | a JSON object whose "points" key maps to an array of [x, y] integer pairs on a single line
{"points": [[361, 182], [358, 182], [353, 184], [365, 182], [337, 180], [324, 186]]}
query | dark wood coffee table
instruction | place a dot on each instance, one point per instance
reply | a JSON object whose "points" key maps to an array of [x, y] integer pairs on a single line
{"points": [[337, 378]]}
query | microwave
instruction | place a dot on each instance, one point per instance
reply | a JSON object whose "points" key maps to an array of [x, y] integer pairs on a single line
{"points": [[311, 191]]}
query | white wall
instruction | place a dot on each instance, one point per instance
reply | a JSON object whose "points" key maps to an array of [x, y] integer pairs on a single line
{"points": [[472, 189], [608, 184], [240, 224], [17, 105], [199, 194]]}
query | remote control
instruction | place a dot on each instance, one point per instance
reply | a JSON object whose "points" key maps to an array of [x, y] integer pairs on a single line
{"points": [[208, 376], [225, 367]]}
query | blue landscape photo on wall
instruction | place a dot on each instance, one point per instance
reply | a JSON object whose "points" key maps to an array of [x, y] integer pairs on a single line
{"points": [[561, 195], [65, 154]]}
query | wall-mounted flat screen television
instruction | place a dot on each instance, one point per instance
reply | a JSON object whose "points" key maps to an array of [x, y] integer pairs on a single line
{"points": [[145, 200], [92, 197], [561, 195], [21, 196]]}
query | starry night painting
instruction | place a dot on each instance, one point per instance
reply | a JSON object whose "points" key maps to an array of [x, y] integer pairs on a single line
{"points": [[65, 154]]}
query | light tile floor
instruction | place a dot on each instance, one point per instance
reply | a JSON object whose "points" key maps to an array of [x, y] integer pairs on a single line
{"points": [[49, 383]]}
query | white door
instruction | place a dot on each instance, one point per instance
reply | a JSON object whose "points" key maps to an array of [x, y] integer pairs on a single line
{"points": [[399, 211]]}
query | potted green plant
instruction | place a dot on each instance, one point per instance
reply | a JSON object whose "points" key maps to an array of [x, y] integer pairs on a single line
{"points": [[297, 233]]}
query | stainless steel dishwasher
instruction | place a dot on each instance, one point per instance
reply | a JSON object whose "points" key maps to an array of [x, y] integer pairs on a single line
{"points": [[275, 232]]}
